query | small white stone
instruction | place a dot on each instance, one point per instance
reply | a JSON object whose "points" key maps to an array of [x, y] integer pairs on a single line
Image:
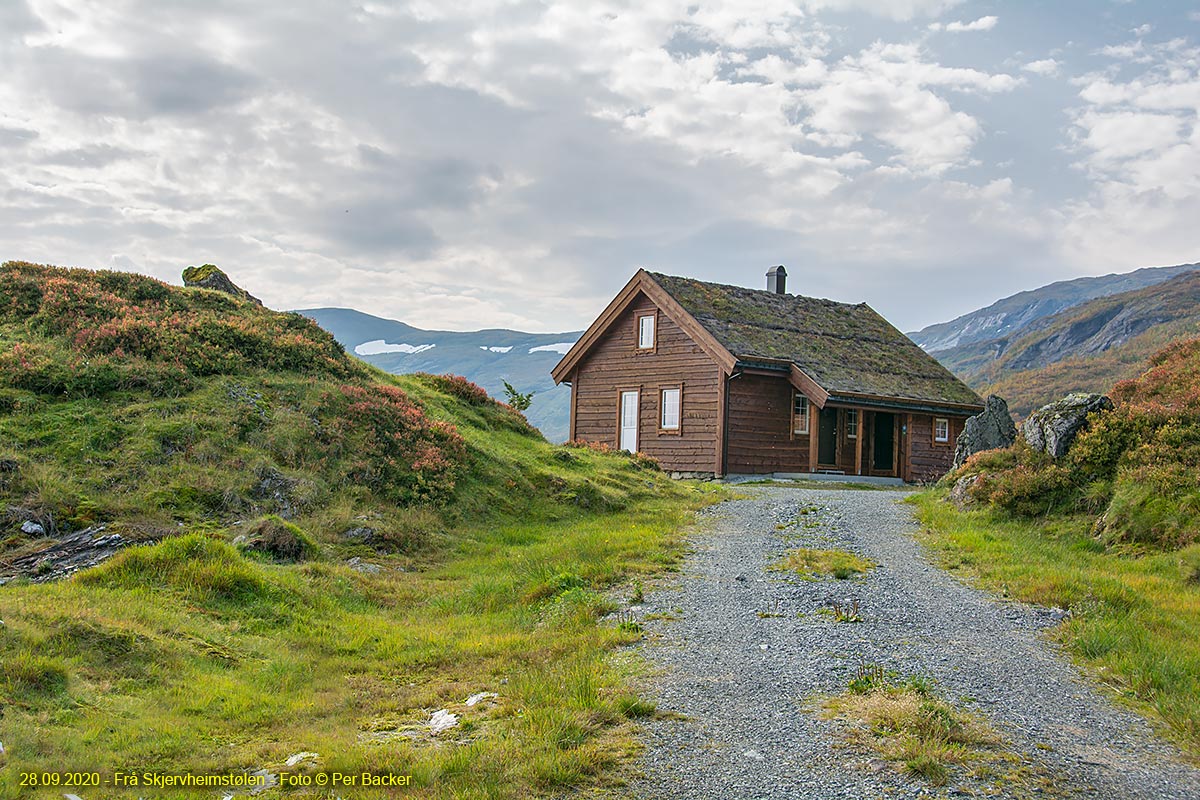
{"points": [[298, 757], [479, 697], [442, 720]]}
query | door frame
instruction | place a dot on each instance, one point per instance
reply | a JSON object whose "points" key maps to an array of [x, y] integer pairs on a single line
{"points": [[836, 414], [637, 428], [894, 471]]}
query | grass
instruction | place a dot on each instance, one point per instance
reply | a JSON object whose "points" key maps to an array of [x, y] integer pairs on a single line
{"points": [[244, 447], [812, 564], [910, 726], [1134, 612]]}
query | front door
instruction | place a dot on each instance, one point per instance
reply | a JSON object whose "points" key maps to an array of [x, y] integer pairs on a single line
{"points": [[883, 450], [629, 421], [827, 444]]}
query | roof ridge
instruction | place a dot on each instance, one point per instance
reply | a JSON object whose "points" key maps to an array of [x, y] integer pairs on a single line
{"points": [[765, 292]]}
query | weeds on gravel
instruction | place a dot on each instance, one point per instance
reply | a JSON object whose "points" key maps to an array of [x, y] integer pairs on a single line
{"points": [[774, 609], [1134, 613], [910, 726], [812, 564]]}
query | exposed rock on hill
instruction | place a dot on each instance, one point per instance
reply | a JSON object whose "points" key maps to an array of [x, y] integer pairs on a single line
{"points": [[990, 430], [1053, 427], [209, 276]]}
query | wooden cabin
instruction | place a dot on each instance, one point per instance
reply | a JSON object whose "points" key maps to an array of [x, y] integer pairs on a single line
{"points": [[716, 380]]}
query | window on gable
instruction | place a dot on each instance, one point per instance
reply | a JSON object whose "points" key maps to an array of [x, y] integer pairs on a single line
{"points": [[852, 423], [646, 332], [941, 430], [671, 401], [799, 414]]}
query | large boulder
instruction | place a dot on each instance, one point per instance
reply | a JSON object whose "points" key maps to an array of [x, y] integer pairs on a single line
{"points": [[992, 429], [1053, 427], [208, 276]]}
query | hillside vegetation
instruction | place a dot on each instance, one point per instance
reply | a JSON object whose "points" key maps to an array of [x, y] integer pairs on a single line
{"points": [[1111, 531], [1088, 348], [320, 555]]}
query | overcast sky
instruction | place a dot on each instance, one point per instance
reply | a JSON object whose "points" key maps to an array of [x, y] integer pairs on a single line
{"points": [[510, 163]]}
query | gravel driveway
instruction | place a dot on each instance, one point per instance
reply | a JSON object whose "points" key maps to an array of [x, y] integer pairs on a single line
{"points": [[747, 688]]}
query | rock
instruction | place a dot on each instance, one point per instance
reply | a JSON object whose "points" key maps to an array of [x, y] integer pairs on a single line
{"points": [[365, 567], [305, 759], [363, 534], [991, 429], [960, 495], [273, 485], [479, 697], [209, 276], [71, 553], [1053, 427], [280, 540], [442, 720], [31, 528]]}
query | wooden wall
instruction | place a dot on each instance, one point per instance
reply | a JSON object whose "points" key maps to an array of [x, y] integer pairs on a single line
{"points": [[759, 433], [615, 364], [928, 460]]}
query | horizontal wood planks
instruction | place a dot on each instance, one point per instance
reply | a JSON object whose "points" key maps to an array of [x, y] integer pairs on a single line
{"points": [[929, 460], [759, 432], [616, 364]]}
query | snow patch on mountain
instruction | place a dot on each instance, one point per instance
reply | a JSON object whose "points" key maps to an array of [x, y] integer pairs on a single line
{"points": [[495, 349], [377, 347], [561, 348]]}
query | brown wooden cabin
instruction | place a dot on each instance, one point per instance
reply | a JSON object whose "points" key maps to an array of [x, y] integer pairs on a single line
{"points": [[722, 380]]}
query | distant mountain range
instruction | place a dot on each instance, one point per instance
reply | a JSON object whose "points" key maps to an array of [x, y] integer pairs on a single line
{"points": [[1095, 339], [1012, 315], [487, 357]]}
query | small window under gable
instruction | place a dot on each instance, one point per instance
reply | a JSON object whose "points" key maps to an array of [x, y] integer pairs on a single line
{"points": [[941, 430], [799, 414], [671, 402], [646, 332]]}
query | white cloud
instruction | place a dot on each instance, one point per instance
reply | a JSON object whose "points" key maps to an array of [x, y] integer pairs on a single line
{"points": [[1044, 66], [981, 24]]}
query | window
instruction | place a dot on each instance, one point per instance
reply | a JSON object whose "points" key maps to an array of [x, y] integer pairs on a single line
{"points": [[670, 408], [852, 423], [799, 414], [941, 430], [646, 332]]}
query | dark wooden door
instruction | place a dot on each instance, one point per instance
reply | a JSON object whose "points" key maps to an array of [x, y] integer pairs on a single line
{"points": [[883, 447], [827, 444]]}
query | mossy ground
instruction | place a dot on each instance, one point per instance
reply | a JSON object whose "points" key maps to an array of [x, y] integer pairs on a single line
{"points": [[811, 563]]}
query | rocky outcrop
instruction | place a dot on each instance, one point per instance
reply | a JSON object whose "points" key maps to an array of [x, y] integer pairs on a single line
{"points": [[1053, 427], [209, 276], [960, 495], [990, 430], [71, 553]]}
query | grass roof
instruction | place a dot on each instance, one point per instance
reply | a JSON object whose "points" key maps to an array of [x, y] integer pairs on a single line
{"points": [[845, 348]]}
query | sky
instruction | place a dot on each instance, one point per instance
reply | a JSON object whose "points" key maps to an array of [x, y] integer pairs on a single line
{"points": [[511, 163]]}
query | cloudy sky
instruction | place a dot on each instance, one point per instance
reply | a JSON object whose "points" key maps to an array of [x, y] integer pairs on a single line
{"points": [[513, 162]]}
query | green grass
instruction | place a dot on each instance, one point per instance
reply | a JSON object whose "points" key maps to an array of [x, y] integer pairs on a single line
{"points": [[241, 446], [1134, 613], [811, 563]]}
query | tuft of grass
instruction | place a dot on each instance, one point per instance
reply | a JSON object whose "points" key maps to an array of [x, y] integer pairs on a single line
{"points": [[811, 563], [26, 676], [1134, 613], [908, 724]]}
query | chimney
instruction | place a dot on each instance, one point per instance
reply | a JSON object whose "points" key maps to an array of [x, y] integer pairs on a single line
{"points": [[777, 280]]}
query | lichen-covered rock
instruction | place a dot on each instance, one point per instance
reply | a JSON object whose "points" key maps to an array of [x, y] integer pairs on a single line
{"points": [[1053, 427], [992, 429], [960, 495], [209, 276]]}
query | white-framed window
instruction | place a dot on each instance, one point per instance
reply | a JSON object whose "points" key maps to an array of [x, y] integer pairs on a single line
{"points": [[672, 400], [852, 423], [799, 414], [646, 332], [941, 430]]}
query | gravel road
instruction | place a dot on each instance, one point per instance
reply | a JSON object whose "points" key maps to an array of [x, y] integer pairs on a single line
{"points": [[747, 688]]}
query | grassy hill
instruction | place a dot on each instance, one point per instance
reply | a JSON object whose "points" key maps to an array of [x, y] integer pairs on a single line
{"points": [[1089, 347], [314, 556], [486, 357], [1111, 532]]}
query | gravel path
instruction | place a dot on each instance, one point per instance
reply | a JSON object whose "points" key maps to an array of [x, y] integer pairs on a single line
{"points": [[748, 687]]}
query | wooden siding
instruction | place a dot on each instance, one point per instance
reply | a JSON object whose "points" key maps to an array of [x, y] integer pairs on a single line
{"points": [[615, 364], [759, 427], [929, 460]]}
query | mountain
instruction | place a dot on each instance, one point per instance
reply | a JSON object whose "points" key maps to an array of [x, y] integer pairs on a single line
{"points": [[1089, 347], [486, 357], [1008, 317]]}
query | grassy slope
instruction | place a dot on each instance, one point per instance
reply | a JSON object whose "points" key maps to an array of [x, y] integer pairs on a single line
{"points": [[1134, 616], [498, 555]]}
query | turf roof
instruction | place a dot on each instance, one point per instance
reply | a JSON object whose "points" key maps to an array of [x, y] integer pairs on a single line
{"points": [[845, 348]]}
